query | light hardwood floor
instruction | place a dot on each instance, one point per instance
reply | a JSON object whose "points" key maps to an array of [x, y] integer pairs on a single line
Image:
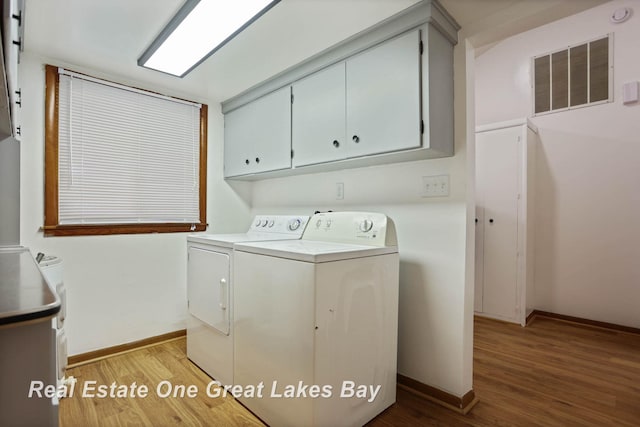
{"points": [[551, 373]]}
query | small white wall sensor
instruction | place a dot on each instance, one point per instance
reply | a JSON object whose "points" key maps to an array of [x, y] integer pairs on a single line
{"points": [[621, 15]]}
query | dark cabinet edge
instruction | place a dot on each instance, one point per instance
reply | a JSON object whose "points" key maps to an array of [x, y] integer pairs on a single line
{"points": [[49, 311]]}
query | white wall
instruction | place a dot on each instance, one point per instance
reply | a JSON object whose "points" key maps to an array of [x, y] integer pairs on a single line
{"points": [[127, 287], [435, 318], [124, 288], [588, 203]]}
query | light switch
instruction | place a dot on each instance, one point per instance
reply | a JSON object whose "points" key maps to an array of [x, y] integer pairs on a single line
{"points": [[435, 186]]}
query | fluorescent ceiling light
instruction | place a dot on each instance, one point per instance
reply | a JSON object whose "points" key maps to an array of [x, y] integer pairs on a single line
{"points": [[199, 29]]}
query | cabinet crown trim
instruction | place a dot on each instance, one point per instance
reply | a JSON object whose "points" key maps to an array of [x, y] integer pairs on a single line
{"points": [[424, 12]]}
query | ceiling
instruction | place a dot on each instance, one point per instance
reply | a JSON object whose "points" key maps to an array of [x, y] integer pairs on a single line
{"points": [[107, 37]]}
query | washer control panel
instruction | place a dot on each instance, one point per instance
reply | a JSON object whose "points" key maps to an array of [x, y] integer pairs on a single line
{"points": [[367, 228], [289, 224], [366, 225]]}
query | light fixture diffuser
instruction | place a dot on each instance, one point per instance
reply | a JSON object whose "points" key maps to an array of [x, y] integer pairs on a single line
{"points": [[200, 28]]}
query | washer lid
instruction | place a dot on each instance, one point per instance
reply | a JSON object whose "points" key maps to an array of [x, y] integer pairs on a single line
{"points": [[313, 251]]}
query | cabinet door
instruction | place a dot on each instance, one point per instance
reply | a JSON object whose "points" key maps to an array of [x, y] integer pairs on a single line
{"points": [[257, 136], [497, 182], [208, 287], [383, 97], [318, 117], [13, 14]]}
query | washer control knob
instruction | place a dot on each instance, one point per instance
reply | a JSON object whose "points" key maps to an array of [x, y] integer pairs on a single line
{"points": [[318, 223], [265, 222], [258, 222], [271, 222], [366, 225], [294, 224]]}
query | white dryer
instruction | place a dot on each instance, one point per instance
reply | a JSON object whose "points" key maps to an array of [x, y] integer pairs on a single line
{"points": [[319, 313], [52, 270], [210, 290]]}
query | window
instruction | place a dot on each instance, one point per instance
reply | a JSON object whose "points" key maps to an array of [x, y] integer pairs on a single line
{"points": [[574, 77], [120, 160]]}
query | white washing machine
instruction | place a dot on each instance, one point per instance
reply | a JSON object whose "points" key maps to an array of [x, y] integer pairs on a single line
{"points": [[320, 313], [210, 290]]}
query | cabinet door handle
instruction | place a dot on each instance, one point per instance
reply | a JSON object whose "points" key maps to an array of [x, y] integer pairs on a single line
{"points": [[336, 143], [257, 159], [491, 220], [476, 220], [355, 139], [18, 17], [246, 162]]}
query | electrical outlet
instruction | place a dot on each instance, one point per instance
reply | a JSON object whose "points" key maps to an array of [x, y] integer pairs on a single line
{"points": [[435, 186], [339, 190]]}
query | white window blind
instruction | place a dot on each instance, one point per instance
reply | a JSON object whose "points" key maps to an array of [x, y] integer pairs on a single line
{"points": [[125, 156]]}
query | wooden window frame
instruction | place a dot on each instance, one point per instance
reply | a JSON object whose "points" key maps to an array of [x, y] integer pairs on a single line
{"points": [[52, 227]]}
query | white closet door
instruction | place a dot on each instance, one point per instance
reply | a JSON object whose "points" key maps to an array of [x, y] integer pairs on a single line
{"points": [[383, 97], [318, 117], [479, 270], [497, 171]]}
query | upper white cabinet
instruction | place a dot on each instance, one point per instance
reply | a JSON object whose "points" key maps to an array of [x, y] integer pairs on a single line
{"points": [[12, 44], [318, 124], [383, 97], [368, 104], [257, 136]]}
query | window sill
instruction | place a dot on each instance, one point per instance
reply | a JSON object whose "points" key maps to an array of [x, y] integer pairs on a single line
{"points": [[97, 230]]}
